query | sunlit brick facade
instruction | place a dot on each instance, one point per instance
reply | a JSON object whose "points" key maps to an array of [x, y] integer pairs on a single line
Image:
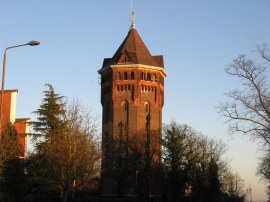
{"points": [[9, 115]]}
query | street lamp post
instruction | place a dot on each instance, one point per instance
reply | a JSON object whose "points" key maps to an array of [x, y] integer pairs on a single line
{"points": [[237, 180], [250, 194], [31, 43]]}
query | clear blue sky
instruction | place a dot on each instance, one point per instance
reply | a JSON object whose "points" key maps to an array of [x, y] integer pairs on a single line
{"points": [[197, 39]]}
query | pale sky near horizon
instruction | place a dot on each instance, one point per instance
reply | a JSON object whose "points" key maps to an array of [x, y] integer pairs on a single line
{"points": [[198, 39]]}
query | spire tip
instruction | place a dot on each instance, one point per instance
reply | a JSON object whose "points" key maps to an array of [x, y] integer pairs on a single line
{"points": [[133, 20]]}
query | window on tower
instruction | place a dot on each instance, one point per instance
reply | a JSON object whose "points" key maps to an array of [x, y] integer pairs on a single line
{"points": [[148, 77], [132, 92], [125, 76], [147, 108], [118, 76], [132, 75], [142, 76], [154, 77], [124, 59], [155, 91], [126, 105]]}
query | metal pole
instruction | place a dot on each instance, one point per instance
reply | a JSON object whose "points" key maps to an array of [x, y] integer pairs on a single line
{"points": [[236, 180], [250, 195], [31, 43], [236, 193], [2, 92]]}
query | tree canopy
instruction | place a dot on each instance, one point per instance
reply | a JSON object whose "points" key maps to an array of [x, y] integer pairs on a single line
{"points": [[50, 113], [67, 158], [248, 108], [195, 165]]}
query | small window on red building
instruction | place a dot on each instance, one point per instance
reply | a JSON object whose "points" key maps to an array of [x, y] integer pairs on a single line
{"points": [[154, 77], [125, 76], [142, 76], [147, 108], [118, 76], [132, 76], [148, 77]]}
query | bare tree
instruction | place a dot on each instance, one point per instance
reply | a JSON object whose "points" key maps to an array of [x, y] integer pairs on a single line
{"points": [[68, 159], [248, 108], [264, 167]]}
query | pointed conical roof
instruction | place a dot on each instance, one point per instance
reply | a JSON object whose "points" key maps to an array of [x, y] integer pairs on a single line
{"points": [[135, 52]]}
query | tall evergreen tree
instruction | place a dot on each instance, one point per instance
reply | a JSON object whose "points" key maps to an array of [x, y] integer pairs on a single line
{"points": [[67, 158], [174, 142], [50, 113], [213, 185]]}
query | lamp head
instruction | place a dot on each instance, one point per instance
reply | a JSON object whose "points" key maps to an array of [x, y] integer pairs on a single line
{"points": [[33, 43]]}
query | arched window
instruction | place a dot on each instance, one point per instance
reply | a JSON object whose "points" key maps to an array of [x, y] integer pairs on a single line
{"points": [[147, 108], [118, 76], [132, 92], [132, 76], [125, 76], [142, 76], [148, 77], [155, 91], [124, 59], [124, 113], [154, 77], [126, 106]]}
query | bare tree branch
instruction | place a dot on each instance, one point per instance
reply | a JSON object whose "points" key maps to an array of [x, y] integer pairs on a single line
{"points": [[248, 109]]}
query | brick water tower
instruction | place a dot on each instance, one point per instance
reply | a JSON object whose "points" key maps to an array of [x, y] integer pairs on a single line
{"points": [[132, 97]]}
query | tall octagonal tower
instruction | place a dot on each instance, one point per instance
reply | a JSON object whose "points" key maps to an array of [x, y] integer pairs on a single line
{"points": [[132, 91]]}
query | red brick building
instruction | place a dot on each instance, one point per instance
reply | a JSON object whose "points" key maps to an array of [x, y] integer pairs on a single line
{"points": [[9, 115], [132, 88]]}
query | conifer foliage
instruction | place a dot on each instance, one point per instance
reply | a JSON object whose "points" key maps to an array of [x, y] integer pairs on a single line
{"points": [[9, 146], [195, 167], [12, 177], [51, 112], [66, 157]]}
